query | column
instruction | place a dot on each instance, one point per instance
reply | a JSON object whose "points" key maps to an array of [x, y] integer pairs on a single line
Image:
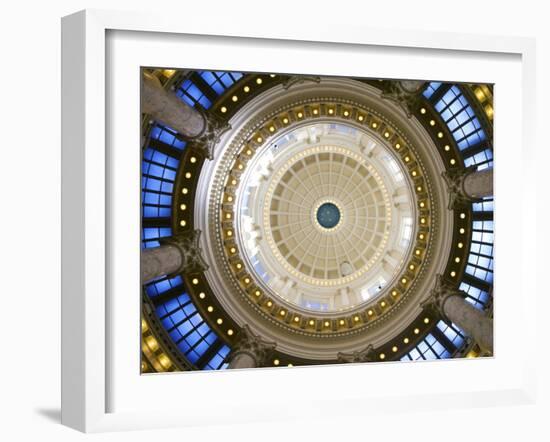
{"points": [[163, 260], [453, 307], [242, 360], [164, 106], [365, 355], [468, 185], [204, 129], [176, 254], [251, 350], [479, 184], [473, 321]]}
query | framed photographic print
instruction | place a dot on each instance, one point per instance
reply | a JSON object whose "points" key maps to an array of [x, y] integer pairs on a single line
{"points": [[293, 214], [294, 220]]}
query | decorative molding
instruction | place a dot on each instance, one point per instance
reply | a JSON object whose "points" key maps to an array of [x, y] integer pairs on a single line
{"points": [[297, 79], [406, 94], [188, 244], [443, 289], [365, 355], [253, 345], [458, 198], [214, 129], [224, 169], [213, 182]]}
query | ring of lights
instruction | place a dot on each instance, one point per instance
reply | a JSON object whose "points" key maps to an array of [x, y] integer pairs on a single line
{"points": [[231, 275]]}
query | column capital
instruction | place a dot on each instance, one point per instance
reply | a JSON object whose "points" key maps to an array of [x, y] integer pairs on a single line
{"points": [[252, 345], [214, 129], [406, 94], [442, 290], [365, 355], [297, 79], [188, 244], [458, 197], [454, 308]]}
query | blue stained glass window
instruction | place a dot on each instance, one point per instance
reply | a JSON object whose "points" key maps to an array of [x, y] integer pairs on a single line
{"points": [[480, 259], [220, 81], [480, 266], [484, 206], [192, 95], [431, 88], [167, 135], [452, 332], [475, 296], [151, 235], [162, 285], [483, 159], [218, 360], [460, 118], [428, 348], [157, 183], [186, 327]]}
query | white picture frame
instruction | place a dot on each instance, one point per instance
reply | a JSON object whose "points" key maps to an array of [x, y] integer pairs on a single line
{"points": [[90, 170]]}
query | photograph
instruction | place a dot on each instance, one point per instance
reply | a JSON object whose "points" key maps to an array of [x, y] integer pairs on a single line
{"points": [[291, 219]]}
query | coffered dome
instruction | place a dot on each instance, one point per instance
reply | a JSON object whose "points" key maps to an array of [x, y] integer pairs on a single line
{"points": [[333, 153], [324, 239]]}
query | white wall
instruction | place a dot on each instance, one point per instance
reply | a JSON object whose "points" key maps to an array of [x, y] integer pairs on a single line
{"points": [[30, 116]]}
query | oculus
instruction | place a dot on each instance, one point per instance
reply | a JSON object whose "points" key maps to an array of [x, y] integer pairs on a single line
{"points": [[328, 215]]}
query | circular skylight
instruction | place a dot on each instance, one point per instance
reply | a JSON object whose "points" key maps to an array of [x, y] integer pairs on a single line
{"points": [[328, 215]]}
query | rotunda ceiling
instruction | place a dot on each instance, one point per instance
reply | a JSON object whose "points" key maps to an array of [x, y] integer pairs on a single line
{"points": [[323, 231], [323, 213]]}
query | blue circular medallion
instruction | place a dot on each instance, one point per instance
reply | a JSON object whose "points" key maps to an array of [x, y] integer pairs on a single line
{"points": [[328, 215]]}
